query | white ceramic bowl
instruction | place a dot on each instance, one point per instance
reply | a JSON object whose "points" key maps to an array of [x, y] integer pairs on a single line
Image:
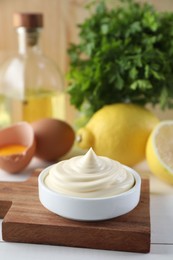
{"points": [[89, 209]]}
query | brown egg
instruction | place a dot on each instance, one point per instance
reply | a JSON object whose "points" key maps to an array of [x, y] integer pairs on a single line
{"points": [[17, 147], [54, 138]]}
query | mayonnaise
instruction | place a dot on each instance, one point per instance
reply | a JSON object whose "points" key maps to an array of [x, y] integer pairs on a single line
{"points": [[89, 176]]}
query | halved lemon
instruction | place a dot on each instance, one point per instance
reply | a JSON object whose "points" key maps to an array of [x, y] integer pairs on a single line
{"points": [[159, 151]]}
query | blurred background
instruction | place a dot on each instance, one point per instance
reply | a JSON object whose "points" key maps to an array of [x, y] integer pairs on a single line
{"points": [[60, 20]]}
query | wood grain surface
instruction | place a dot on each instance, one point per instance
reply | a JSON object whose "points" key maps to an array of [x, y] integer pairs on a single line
{"points": [[27, 221]]}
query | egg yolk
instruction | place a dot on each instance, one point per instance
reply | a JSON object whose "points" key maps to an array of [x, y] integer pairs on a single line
{"points": [[12, 149]]}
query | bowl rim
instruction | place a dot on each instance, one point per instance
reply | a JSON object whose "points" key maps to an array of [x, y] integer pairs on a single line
{"points": [[45, 172]]}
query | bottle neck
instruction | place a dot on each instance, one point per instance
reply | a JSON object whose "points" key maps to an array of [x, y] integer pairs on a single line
{"points": [[28, 40]]}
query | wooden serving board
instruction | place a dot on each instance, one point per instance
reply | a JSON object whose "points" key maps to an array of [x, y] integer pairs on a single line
{"points": [[26, 220]]}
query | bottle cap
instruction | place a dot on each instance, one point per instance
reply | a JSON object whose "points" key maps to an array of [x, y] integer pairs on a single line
{"points": [[28, 20]]}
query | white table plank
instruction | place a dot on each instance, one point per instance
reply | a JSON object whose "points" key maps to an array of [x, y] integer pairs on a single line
{"points": [[9, 251], [161, 208], [25, 174]]}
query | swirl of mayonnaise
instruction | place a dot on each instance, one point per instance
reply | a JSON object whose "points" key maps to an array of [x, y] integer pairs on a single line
{"points": [[89, 176]]}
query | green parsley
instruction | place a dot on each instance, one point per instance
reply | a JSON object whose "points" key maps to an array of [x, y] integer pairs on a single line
{"points": [[125, 54]]}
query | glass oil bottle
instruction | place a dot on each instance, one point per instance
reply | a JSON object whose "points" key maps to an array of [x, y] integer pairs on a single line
{"points": [[31, 85]]}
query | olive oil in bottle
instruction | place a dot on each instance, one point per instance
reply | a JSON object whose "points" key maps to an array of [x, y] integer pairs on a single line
{"points": [[31, 85]]}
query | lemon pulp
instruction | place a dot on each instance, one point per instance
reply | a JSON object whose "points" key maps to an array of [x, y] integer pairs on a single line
{"points": [[159, 151]]}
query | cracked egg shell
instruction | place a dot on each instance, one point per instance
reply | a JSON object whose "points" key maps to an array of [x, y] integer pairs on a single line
{"points": [[54, 138], [19, 134]]}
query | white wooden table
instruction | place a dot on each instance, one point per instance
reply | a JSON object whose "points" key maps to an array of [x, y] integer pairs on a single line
{"points": [[161, 209]]}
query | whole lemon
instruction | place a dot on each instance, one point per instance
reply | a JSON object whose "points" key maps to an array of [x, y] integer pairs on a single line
{"points": [[159, 151], [118, 131]]}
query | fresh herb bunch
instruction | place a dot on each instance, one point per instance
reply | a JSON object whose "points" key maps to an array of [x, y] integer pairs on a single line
{"points": [[125, 54]]}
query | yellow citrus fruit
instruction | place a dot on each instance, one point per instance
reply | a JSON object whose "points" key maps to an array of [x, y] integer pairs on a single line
{"points": [[118, 131], [159, 151]]}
